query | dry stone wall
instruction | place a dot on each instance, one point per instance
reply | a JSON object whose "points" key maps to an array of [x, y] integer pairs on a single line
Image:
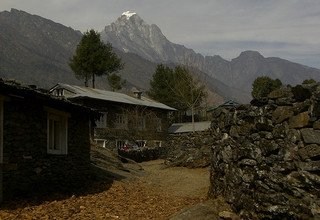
{"points": [[190, 150], [266, 158]]}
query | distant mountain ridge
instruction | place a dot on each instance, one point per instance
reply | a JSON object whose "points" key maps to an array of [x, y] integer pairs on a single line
{"points": [[36, 51], [132, 34]]}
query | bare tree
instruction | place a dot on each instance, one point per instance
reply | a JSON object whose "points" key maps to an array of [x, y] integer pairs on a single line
{"points": [[189, 91]]}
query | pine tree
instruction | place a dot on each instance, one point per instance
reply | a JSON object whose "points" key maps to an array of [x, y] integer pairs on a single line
{"points": [[94, 58]]}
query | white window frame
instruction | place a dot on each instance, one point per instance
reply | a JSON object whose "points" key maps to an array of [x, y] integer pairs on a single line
{"points": [[102, 122], [61, 119]]}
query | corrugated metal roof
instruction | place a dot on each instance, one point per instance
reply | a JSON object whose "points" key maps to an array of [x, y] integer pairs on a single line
{"points": [[229, 103], [86, 92], [188, 127]]}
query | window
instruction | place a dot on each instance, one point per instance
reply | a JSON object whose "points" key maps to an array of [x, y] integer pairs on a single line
{"points": [[158, 125], [141, 123], [59, 92], [57, 132], [102, 122], [121, 121]]}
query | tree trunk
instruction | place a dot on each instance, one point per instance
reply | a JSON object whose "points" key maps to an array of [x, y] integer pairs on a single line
{"points": [[192, 117], [86, 81], [93, 80]]}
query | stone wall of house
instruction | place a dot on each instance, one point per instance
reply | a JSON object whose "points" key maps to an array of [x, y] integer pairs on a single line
{"points": [[266, 159], [28, 168]]}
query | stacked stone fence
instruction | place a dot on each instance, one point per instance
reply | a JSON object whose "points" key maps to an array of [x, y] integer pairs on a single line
{"points": [[190, 149], [266, 158]]}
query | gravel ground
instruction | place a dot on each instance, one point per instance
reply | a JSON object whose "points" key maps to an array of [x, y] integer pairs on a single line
{"points": [[156, 194]]}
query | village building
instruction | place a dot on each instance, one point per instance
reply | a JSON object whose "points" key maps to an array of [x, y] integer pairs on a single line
{"points": [[230, 104], [44, 141], [128, 121]]}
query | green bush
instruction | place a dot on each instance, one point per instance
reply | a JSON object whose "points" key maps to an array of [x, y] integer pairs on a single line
{"points": [[263, 85]]}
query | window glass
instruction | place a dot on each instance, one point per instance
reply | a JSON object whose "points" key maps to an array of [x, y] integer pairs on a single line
{"points": [[57, 134]]}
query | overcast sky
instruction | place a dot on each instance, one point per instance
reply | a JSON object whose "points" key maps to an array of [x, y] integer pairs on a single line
{"points": [[289, 29]]}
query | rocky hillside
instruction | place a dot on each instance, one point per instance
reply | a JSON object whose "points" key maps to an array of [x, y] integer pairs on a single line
{"points": [[35, 50], [129, 33]]}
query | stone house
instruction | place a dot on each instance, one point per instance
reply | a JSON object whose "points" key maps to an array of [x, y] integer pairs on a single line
{"points": [[44, 141], [128, 120]]}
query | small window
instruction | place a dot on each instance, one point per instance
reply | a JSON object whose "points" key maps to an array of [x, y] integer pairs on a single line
{"points": [[102, 122], [158, 124], [121, 121], [59, 92], [57, 140], [141, 123]]}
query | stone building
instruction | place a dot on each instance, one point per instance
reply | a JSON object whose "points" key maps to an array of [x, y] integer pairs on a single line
{"points": [[44, 141], [132, 121]]}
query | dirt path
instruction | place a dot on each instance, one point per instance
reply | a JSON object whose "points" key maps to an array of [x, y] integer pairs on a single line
{"points": [[155, 195], [178, 181]]}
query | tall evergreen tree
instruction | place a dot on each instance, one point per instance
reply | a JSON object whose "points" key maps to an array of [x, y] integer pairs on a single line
{"points": [[94, 58], [161, 85]]}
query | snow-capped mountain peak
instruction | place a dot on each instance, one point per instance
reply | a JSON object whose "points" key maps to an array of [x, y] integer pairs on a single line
{"points": [[128, 14], [130, 33]]}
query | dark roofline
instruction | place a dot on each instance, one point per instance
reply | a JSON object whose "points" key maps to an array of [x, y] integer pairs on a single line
{"points": [[109, 96], [14, 89]]}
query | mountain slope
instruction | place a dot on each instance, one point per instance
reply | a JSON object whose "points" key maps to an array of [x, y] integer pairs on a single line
{"points": [[35, 50], [129, 33]]}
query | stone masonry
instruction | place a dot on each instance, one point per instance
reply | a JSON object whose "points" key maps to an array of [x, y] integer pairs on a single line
{"points": [[266, 158], [27, 168]]}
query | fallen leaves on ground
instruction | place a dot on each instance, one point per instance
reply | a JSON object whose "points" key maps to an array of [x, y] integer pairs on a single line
{"points": [[123, 200]]}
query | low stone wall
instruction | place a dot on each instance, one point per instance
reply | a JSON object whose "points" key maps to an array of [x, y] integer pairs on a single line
{"points": [[190, 150], [266, 159], [143, 154]]}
